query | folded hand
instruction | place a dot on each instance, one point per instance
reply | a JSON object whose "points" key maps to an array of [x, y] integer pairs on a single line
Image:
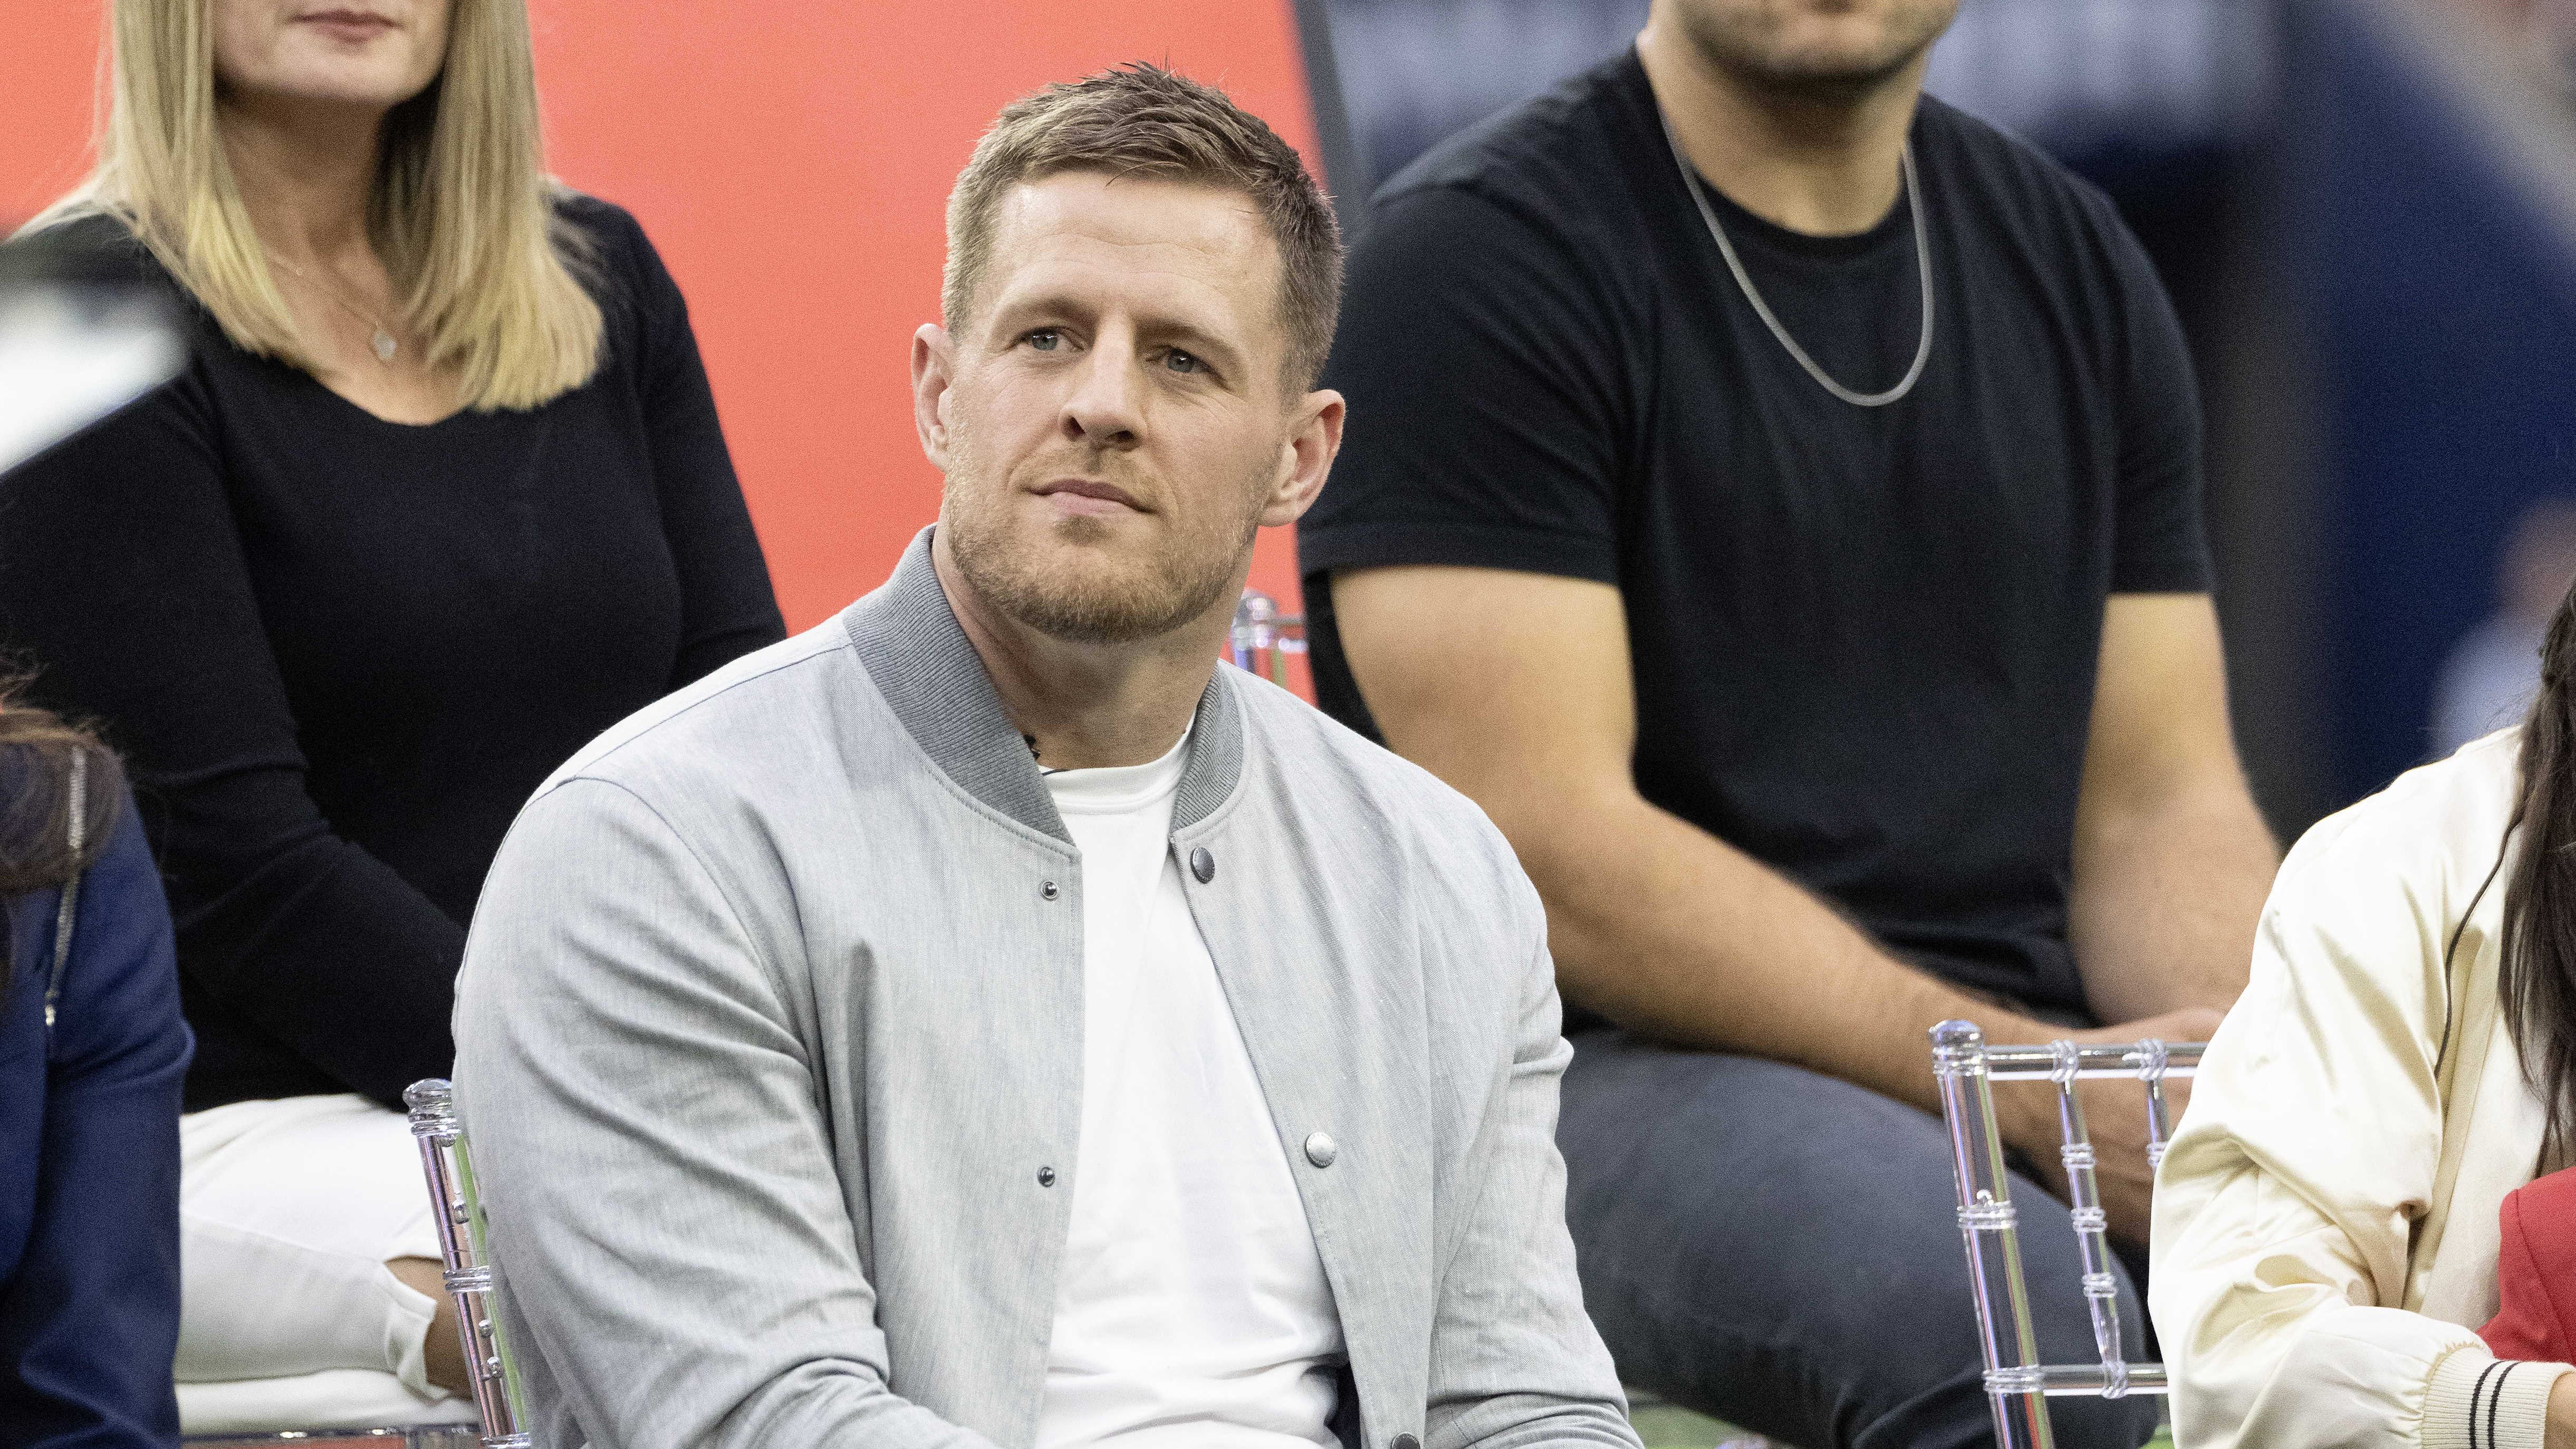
{"points": [[2115, 1118]]}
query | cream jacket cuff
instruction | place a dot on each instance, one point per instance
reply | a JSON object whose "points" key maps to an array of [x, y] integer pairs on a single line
{"points": [[2477, 1401]]}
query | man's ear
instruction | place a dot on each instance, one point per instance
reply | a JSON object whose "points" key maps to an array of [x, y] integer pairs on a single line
{"points": [[1314, 436], [934, 364]]}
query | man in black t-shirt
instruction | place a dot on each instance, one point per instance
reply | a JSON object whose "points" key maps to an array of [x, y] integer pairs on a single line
{"points": [[1775, 497]]}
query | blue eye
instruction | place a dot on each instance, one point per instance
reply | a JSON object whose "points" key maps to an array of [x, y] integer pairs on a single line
{"points": [[1044, 339], [1179, 361]]}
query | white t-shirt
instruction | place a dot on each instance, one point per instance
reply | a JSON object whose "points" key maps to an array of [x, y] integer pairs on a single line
{"points": [[1191, 1308]]}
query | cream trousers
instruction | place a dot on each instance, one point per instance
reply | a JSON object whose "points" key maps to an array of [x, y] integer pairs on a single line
{"points": [[289, 1319]]}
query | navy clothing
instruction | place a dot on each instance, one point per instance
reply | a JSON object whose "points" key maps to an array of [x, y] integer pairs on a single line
{"points": [[338, 653], [1863, 639], [89, 1165]]}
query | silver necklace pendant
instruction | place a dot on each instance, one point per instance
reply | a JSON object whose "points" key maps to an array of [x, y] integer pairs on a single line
{"points": [[383, 340], [1923, 264]]}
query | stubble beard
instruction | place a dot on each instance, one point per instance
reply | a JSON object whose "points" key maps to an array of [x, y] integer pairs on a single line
{"points": [[1738, 50], [1081, 594]]}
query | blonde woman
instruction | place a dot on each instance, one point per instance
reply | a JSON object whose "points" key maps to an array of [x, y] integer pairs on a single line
{"points": [[441, 496], [2361, 1145]]}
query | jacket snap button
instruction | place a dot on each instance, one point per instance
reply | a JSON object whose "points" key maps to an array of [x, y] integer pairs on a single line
{"points": [[1048, 889], [1405, 1441], [1046, 1177], [1203, 865], [1320, 1149]]}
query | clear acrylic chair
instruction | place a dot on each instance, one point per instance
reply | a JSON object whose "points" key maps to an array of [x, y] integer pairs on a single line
{"points": [[416, 1436], [469, 1281], [449, 1168], [2018, 1385], [1263, 638]]}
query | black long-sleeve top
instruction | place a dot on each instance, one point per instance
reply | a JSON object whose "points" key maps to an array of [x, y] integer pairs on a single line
{"points": [[338, 652]]}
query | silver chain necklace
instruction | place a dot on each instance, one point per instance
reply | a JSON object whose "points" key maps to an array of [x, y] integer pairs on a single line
{"points": [[382, 342], [1922, 255]]}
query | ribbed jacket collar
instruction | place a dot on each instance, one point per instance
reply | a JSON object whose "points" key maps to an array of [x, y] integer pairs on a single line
{"points": [[922, 662]]}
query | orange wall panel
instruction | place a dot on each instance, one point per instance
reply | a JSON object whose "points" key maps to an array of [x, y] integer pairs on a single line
{"points": [[792, 162], [48, 65]]}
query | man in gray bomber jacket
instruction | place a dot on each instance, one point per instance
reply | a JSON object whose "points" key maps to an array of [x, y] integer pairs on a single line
{"points": [[981, 1020]]}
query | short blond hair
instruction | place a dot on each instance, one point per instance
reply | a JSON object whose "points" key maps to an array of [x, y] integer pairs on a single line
{"points": [[1141, 120], [483, 265]]}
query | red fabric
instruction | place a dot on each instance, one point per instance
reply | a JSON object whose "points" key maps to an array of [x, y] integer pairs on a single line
{"points": [[2536, 1273]]}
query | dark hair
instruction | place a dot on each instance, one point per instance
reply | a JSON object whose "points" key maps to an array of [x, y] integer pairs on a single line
{"points": [[36, 754], [2537, 979], [1142, 120]]}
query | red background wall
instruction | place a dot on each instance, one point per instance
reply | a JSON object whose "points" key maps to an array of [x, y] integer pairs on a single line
{"points": [[791, 160]]}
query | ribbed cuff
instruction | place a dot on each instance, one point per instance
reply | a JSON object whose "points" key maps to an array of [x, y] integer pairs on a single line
{"points": [[2477, 1401]]}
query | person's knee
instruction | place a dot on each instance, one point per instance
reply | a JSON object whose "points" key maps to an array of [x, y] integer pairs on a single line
{"points": [[1781, 1248]]}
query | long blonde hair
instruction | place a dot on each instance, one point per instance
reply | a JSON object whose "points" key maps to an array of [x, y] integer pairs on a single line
{"points": [[483, 266]]}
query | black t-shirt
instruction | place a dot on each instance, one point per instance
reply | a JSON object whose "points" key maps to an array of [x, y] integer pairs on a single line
{"points": [[1863, 639], [339, 652]]}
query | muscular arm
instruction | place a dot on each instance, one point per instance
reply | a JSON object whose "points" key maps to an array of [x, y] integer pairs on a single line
{"points": [[2171, 859], [1523, 1368], [1523, 702], [653, 1151]]}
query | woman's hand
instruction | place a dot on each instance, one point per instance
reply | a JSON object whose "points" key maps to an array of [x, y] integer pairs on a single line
{"points": [[2562, 1414]]}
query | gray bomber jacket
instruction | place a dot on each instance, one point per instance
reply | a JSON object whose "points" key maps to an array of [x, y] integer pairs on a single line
{"points": [[770, 1053]]}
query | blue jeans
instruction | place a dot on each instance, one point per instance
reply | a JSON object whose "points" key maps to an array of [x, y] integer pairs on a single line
{"points": [[1781, 1249]]}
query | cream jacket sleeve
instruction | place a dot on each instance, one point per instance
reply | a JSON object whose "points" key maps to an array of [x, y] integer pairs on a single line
{"points": [[2287, 1209]]}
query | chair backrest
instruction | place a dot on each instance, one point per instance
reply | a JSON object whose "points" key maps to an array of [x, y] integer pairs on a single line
{"points": [[458, 1207], [2018, 1385], [415, 1436], [1263, 638]]}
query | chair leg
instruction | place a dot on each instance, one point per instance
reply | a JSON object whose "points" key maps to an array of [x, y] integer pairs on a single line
{"points": [[2092, 1227], [2014, 1384], [450, 1174]]}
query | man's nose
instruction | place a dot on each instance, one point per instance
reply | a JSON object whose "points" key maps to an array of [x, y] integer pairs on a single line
{"points": [[1103, 410]]}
